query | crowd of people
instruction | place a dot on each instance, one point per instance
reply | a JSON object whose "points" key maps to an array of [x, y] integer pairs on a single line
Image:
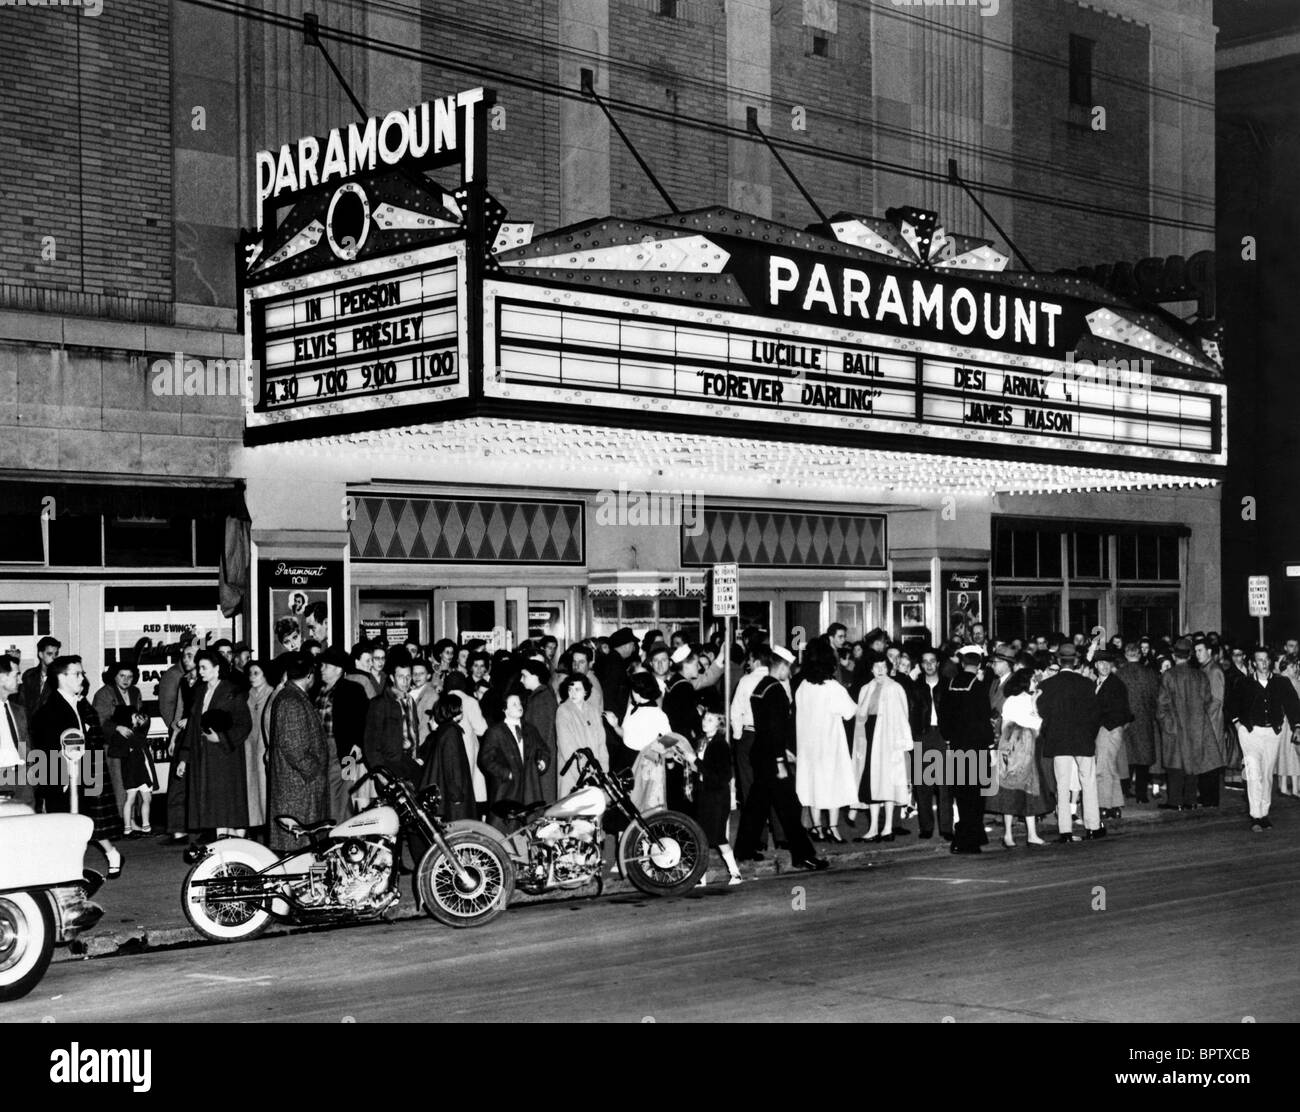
{"points": [[821, 741]]}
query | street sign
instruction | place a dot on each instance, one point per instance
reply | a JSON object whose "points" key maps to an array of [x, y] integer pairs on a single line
{"points": [[726, 590], [1257, 592], [1293, 571]]}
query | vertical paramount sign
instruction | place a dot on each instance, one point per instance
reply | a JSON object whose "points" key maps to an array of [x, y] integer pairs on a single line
{"points": [[415, 136], [355, 289]]}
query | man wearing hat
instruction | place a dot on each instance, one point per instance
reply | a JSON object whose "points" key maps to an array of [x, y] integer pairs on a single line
{"points": [[612, 670], [1188, 744], [965, 721], [342, 704], [1112, 759], [772, 758], [659, 660], [1067, 703], [679, 701], [1004, 663]]}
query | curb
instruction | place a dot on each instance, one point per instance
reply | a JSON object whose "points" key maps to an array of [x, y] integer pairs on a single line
{"points": [[142, 940]]}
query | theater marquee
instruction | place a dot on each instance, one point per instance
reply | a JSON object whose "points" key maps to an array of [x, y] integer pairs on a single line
{"points": [[611, 352]]}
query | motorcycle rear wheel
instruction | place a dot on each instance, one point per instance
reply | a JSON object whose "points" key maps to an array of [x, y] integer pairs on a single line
{"points": [[665, 858], [447, 899], [26, 942], [223, 922]]}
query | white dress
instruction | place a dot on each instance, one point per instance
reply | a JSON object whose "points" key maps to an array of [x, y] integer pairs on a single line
{"points": [[824, 770], [1288, 752]]}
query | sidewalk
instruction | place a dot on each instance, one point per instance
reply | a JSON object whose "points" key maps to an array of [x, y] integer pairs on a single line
{"points": [[142, 908]]}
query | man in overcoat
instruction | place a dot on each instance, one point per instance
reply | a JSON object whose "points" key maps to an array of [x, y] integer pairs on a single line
{"points": [[1143, 687], [512, 757], [297, 782], [1189, 745], [1067, 703]]}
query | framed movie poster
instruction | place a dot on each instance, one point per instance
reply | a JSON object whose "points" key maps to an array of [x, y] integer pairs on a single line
{"points": [[965, 598], [301, 601]]}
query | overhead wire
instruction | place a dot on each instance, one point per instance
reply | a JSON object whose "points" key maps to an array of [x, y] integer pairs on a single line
{"points": [[719, 128]]}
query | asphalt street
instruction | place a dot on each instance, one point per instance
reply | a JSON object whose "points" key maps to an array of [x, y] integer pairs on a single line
{"points": [[1187, 922]]}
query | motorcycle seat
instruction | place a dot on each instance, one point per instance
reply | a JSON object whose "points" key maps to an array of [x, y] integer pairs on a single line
{"points": [[512, 809], [293, 826]]}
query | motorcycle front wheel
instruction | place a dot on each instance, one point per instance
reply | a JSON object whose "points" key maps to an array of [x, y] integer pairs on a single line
{"points": [[466, 901], [220, 920], [665, 857], [26, 942]]}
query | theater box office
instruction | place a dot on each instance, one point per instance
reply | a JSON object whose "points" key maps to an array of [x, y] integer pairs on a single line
{"points": [[503, 433]]}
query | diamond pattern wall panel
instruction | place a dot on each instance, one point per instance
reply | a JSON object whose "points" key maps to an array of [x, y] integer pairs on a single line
{"points": [[426, 530], [777, 539]]}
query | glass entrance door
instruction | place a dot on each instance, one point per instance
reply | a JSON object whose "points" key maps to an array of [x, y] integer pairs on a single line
{"points": [[496, 615], [859, 611]]}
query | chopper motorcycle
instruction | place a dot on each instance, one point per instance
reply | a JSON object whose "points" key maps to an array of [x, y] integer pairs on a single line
{"points": [[44, 892], [349, 871], [662, 853]]}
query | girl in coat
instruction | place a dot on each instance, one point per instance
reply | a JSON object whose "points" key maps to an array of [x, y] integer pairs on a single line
{"points": [[1020, 724], [824, 771], [259, 694], [577, 726], [445, 762], [713, 792], [211, 754], [647, 732], [882, 738]]}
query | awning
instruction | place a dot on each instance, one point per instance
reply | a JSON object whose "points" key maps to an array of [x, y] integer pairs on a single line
{"points": [[645, 584], [142, 499]]}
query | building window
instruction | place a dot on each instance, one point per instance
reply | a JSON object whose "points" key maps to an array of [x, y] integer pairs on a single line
{"points": [[1147, 559], [1025, 616], [1153, 616], [20, 539], [149, 542], [642, 614], [76, 541], [1088, 556], [821, 46], [1084, 615], [1081, 71], [21, 626], [668, 9], [1027, 554]]}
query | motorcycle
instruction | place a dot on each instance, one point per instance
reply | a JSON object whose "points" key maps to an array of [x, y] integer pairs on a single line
{"points": [[44, 892], [350, 871], [663, 853]]}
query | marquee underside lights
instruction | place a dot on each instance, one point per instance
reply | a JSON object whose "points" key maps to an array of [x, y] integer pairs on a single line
{"points": [[569, 453]]}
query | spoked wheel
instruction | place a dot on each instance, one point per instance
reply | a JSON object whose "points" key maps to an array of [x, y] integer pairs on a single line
{"points": [[667, 856], [209, 910], [26, 942], [471, 900]]}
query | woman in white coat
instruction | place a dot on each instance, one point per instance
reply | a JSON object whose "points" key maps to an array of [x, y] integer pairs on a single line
{"points": [[883, 737], [824, 769]]}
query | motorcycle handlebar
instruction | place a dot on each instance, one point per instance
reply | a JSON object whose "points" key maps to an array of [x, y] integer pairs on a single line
{"points": [[584, 752]]}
